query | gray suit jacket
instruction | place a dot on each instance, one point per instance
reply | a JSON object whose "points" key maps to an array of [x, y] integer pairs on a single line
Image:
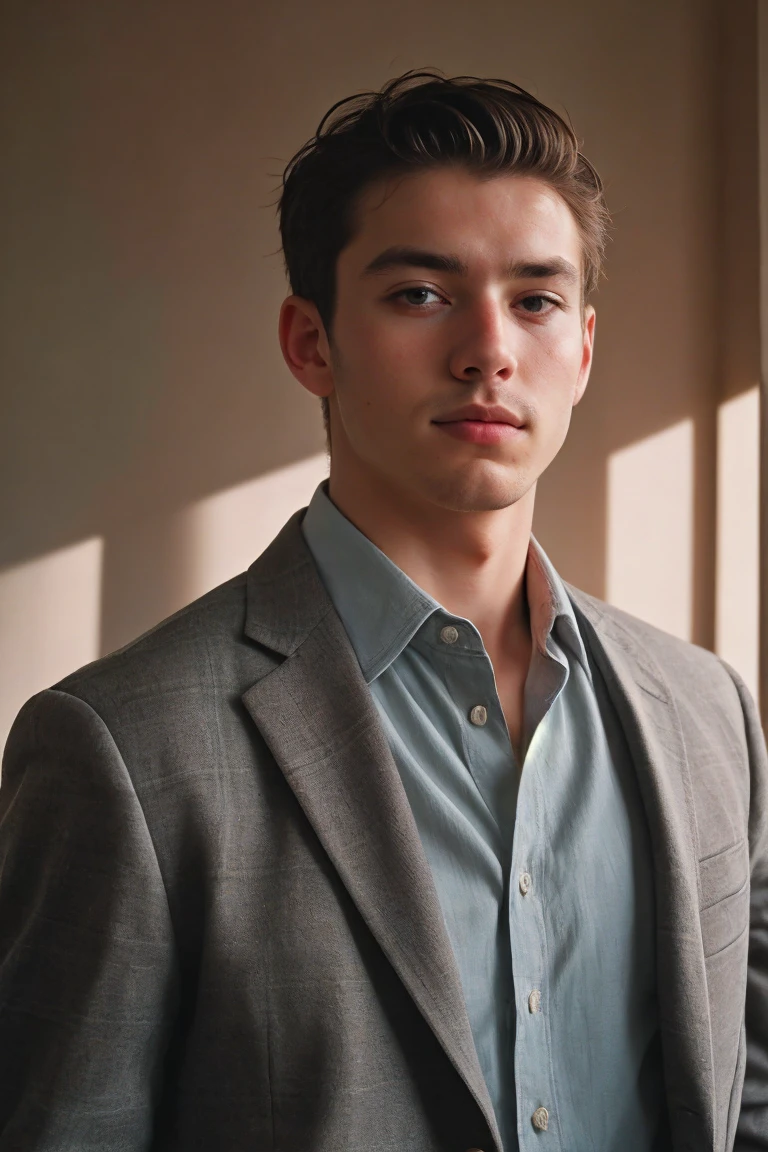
{"points": [[218, 929]]}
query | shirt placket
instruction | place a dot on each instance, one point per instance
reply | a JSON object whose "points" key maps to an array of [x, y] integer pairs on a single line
{"points": [[514, 800], [538, 1121], [488, 751], [534, 1082], [489, 759]]}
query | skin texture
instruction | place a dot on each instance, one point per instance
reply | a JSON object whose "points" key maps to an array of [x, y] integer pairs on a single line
{"points": [[410, 345]]}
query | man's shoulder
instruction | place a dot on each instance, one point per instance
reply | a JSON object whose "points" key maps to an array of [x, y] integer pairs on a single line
{"points": [[710, 701], [199, 650], [684, 665], [193, 667]]}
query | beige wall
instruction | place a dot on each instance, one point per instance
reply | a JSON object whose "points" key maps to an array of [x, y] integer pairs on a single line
{"points": [[151, 436]]}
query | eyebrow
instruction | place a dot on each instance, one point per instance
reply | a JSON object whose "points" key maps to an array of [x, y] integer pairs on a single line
{"points": [[405, 256]]}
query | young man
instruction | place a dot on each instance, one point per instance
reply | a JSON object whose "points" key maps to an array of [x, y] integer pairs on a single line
{"points": [[398, 841]]}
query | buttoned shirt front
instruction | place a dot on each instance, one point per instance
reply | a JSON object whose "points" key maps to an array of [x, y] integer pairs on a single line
{"points": [[542, 868]]}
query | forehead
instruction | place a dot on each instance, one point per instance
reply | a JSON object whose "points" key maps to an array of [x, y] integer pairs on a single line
{"points": [[481, 219]]}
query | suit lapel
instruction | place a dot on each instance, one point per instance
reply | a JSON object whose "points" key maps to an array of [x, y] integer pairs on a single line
{"points": [[317, 715], [649, 718]]}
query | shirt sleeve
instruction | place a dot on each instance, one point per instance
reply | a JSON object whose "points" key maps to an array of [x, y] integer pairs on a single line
{"points": [[88, 971]]}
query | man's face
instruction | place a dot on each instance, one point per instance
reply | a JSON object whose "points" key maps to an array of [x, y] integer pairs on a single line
{"points": [[459, 344]]}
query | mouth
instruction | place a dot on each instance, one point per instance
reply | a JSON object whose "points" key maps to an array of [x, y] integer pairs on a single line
{"points": [[479, 425]]}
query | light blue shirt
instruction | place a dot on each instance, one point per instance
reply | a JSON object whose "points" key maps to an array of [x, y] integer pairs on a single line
{"points": [[543, 870]]}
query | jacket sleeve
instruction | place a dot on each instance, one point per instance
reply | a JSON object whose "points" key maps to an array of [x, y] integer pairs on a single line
{"points": [[752, 1128], [88, 980]]}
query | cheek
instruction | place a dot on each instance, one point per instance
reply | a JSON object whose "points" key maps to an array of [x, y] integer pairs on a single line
{"points": [[396, 347], [367, 389], [382, 370], [556, 363]]}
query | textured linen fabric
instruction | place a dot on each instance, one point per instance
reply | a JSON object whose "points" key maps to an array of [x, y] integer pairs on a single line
{"points": [[559, 978], [219, 929]]}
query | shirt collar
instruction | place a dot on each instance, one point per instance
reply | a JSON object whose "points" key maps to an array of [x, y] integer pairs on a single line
{"points": [[550, 608], [382, 609]]}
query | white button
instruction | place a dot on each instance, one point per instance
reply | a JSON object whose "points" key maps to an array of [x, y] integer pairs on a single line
{"points": [[534, 1001], [478, 715], [449, 634], [525, 883], [540, 1119]]}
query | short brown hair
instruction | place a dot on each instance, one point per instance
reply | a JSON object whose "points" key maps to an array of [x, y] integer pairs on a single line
{"points": [[423, 120]]}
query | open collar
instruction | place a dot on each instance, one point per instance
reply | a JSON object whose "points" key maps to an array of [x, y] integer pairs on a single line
{"points": [[382, 609]]}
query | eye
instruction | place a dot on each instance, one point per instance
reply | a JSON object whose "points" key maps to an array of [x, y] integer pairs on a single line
{"points": [[416, 297], [538, 305]]}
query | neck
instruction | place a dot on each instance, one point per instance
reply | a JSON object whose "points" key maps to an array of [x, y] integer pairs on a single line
{"points": [[473, 563]]}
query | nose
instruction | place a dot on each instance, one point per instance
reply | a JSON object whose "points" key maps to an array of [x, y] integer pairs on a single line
{"points": [[483, 351]]}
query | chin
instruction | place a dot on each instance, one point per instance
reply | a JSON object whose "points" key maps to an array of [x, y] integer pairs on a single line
{"points": [[479, 492]]}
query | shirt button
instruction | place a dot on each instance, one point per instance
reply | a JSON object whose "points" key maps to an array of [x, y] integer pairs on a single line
{"points": [[540, 1119], [534, 1001], [525, 883], [449, 634], [478, 715]]}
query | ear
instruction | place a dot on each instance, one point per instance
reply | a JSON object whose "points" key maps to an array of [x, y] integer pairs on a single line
{"points": [[305, 346], [587, 348]]}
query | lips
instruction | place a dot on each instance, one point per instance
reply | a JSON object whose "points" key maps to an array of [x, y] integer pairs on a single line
{"points": [[481, 425], [478, 413]]}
